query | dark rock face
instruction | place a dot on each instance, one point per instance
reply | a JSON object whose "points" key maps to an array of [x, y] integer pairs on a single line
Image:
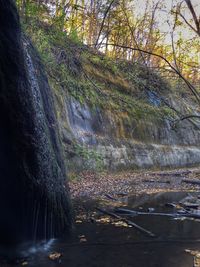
{"points": [[34, 200], [124, 143]]}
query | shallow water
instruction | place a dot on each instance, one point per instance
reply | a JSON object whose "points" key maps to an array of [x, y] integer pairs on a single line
{"points": [[106, 245]]}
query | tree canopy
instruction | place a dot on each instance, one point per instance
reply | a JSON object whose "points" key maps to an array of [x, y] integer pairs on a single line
{"points": [[123, 29]]}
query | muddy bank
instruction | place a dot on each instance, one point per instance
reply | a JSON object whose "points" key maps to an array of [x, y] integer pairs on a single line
{"points": [[89, 185]]}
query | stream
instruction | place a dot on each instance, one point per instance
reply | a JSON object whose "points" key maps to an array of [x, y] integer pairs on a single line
{"points": [[101, 241]]}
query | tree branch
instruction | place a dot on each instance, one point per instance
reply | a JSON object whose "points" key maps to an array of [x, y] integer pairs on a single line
{"points": [[194, 15], [103, 21], [187, 22], [189, 85]]}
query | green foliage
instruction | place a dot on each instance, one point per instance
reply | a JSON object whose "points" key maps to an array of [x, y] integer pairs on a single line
{"points": [[92, 160], [66, 60], [74, 36], [29, 9], [104, 63], [143, 78]]}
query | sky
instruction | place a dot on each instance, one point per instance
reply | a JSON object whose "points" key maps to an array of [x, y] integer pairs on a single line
{"points": [[165, 21]]}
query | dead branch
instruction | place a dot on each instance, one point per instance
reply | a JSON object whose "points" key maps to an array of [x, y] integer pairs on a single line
{"points": [[128, 212], [191, 181], [141, 229]]}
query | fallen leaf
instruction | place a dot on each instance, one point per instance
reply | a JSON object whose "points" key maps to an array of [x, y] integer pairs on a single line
{"points": [[82, 238], [54, 256], [78, 221]]}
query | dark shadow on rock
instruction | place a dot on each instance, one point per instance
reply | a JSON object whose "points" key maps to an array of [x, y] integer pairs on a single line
{"points": [[34, 198]]}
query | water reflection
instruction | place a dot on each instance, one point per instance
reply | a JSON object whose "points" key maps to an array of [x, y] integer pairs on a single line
{"points": [[106, 245], [165, 227]]}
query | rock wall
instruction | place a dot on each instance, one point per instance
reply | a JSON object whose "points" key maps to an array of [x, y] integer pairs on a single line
{"points": [[124, 143], [34, 198]]}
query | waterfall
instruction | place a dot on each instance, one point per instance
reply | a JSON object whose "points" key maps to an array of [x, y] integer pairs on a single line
{"points": [[34, 196]]}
